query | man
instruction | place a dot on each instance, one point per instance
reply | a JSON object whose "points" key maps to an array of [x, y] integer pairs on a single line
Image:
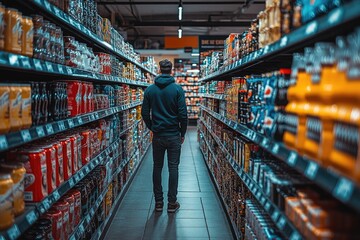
{"points": [[165, 100]]}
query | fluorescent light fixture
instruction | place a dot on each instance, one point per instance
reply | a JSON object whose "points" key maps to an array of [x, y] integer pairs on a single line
{"points": [[194, 64], [180, 32], [195, 54], [193, 70], [180, 10]]}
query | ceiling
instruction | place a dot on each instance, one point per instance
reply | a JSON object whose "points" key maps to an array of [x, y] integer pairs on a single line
{"points": [[144, 20]]}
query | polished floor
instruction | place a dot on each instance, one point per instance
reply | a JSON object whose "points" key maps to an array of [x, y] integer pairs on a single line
{"points": [[200, 216]]}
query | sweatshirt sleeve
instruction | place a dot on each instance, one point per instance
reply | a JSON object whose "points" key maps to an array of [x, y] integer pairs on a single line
{"points": [[182, 113], [145, 110]]}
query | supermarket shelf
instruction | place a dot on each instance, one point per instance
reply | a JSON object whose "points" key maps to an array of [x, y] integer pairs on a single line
{"points": [[278, 217], [66, 21], [233, 225], [192, 96], [10, 61], [215, 96], [80, 229], [314, 31], [100, 231], [23, 222], [341, 187], [18, 138]]}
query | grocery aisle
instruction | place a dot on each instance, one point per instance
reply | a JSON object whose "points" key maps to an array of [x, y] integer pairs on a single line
{"points": [[201, 215]]}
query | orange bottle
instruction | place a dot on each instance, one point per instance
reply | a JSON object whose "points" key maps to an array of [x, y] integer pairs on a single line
{"points": [[13, 30], [26, 106], [27, 37], [4, 109], [15, 107], [297, 106], [7, 201]]}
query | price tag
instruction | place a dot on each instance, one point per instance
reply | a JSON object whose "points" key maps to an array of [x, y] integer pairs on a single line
{"points": [[31, 217], [266, 49], [295, 236], [267, 206], [92, 212], [47, 5], [49, 129], [311, 28], [25, 62], [69, 70], [3, 143], [14, 232], [81, 174], [311, 170], [49, 66], [77, 178], [71, 182], [25, 135], [335, 16], [292, 159], [275, 215], [258, 194], [37, 64], [80, 120], [46, 204], [71, 123], [92, 164], [262, 201], [343, 189], [265, 142], [61, 125], [283, 41], [275, 149], [60, 69], [40, 131], [281, 223], [81, 229], [97, 115], [56, 195]]}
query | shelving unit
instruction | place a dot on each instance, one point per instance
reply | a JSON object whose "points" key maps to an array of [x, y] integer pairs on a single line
{"points": [[338, 22], [27, 69], [191, 89], [277, 55]]}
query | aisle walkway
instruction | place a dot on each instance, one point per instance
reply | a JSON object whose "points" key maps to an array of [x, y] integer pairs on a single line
{"points": [[200, 216]]}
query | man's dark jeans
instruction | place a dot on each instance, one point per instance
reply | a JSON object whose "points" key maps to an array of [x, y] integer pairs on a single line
{"points": [[173, 146]]}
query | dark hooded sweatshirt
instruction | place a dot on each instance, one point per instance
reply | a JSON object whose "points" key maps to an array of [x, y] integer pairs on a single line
{"points": [[165, 100]]}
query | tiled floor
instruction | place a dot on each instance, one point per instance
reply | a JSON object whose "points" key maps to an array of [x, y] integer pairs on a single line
{"points": [[201, 215]]}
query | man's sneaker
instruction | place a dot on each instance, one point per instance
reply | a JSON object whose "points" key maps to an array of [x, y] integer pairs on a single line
{"points": [[159, 206], [173, 207]]}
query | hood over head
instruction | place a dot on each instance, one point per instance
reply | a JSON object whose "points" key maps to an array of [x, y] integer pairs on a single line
{"points": [[164, 80]]}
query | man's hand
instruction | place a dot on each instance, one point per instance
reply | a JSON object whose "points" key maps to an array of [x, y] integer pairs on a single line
{"points": [[182, 140]]}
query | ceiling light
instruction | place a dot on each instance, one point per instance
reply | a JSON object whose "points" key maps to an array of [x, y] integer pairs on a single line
{"points": [[180, 10], [180, 32], [195, 54]]}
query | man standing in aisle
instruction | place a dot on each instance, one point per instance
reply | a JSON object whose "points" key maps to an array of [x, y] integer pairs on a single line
{"points": [[165, 114]]}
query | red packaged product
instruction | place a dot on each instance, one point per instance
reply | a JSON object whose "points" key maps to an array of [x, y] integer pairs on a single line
{"points": [[67, 158], [78, 144], [77, 206], [64, 207], [74, 93], [85, 147], [84, 97], [56, 218], [50, 154], [69, 198], [59, 163], [74, 153], [36, 174], [90, 100]]}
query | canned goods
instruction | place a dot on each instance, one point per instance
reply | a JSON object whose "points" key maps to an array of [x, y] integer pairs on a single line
{"points": [[77, 206], [4, 107], [84, 97], [59, 164], [44, 226], [17, 172], [74, 93], [56, 218], [13, 31], [64, 207], [85, 147], [50, 154], [74, 154], [69, 198], [6, 201], [38, 41], [67, 158]]}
